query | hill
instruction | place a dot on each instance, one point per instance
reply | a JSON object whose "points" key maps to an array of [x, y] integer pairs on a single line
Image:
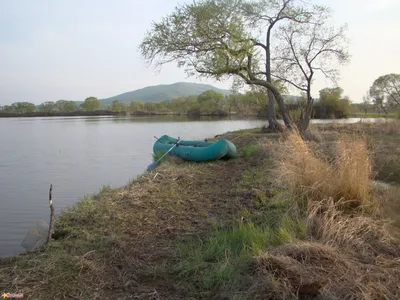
{"points": [[159, 93]]}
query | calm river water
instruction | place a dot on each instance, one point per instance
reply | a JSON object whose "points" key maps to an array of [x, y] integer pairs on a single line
{"points": [[78, 155]]}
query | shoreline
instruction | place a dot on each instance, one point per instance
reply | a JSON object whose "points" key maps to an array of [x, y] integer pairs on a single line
{"points": [[147, 114], [110, 113], [144, 237]]}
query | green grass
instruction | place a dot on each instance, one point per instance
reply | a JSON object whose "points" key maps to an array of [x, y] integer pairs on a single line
{"points": [[257, 176], [158, 155], [250, 150], [222, 260]]}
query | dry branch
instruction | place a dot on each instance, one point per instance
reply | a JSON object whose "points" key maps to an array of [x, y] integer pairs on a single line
{"points": [[51, 224]]}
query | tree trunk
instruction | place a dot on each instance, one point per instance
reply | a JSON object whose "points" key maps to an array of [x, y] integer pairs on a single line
{"points": [[272, 123], [278, 97], [305, 115], [281, 104]]}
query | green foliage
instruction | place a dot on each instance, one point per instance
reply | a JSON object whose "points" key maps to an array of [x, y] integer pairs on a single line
{"points": [[8, 109], [231, 48], [19, 108], [184, 37], [91, 104], [47, 107], [135, 106], [332, 104], [385, 90], [211, 102], [116, 106], [250, 150], [65, 106], [251, 103]]}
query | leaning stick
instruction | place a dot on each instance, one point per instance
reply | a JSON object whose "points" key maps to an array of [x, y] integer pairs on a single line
{"points": [[51, 225]]}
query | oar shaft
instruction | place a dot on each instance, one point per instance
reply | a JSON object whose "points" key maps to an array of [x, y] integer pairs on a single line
{"points": [[154, 164]]}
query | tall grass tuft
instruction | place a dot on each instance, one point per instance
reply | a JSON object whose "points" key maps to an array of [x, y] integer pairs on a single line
{"points": [[308, 176], [353, 171], [311, 178]]}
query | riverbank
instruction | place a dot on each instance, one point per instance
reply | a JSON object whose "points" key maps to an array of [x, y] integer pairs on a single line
{"points": [[374, 115], [268, 224], [189, 115], [111, 113]]}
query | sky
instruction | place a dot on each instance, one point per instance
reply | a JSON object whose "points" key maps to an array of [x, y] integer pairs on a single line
{"points": [[55, 49]]}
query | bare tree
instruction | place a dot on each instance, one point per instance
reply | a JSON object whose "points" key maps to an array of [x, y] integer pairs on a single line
{"points": [[266, 14], [307, 49]]}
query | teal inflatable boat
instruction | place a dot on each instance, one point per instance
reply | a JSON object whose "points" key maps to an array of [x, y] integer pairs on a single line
{"points": [[196, 150]]}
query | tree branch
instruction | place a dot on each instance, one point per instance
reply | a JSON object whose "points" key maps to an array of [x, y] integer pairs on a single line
{"points": [[261, 45], [291, 45], [290, 82]]}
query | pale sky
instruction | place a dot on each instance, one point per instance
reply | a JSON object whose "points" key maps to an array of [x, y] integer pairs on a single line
{"points": [[54, 49]]}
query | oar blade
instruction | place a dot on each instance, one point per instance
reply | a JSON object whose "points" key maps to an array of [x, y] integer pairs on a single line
{"points": [[152, 166]]}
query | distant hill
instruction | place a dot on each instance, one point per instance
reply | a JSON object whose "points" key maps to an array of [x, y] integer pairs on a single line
{"points": [[159, 93]]}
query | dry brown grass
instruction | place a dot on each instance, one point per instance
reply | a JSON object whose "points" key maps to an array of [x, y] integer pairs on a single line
{"points": [[352, 253], [310, 270], [388, 127], [363, 235], [312, 178], [352, 171]]}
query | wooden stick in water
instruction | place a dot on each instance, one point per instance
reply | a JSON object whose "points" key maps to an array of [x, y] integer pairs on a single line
{"points": [[51, 225]]}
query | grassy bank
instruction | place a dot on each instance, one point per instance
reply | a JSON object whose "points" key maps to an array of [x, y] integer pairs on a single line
{"points": [[288, 219], [374, 115]]}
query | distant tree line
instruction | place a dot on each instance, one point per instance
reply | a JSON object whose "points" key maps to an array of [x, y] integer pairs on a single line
{"points": [[331, 104]]}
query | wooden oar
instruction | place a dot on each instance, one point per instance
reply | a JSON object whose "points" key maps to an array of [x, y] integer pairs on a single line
{"points": [[155, 164]]}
